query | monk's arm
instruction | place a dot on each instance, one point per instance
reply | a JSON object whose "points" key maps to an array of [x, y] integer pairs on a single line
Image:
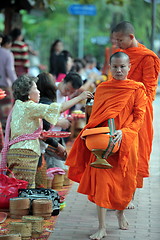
{"points": [[138, 110], [150, 76]]}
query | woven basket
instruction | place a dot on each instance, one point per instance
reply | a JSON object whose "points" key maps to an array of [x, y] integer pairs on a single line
{"points": [[58, 181], [49, 183], [19, 203], [21, 212], [67, 181], [19, 207], [25, 229], [37, 224], [11, 237], [17, 214], [42, 208], [44, 215]]}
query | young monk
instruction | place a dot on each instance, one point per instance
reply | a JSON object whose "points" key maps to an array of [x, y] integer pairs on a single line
{"points": [[144, 68], [125, 101]]}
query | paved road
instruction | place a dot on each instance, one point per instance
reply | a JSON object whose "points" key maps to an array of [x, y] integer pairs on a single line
{"points": [[78, 220]]}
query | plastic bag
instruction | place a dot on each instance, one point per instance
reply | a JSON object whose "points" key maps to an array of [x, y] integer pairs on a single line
{"points": [[9, 188]]}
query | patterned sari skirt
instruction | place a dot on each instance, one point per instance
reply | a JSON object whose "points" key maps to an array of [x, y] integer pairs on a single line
{"points": [[23, 163]]}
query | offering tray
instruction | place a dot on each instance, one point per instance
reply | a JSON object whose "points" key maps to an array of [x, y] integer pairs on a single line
{"points": [[56, 134]]}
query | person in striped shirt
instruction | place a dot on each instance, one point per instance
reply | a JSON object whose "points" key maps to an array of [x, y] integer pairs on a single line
{"points": [[20, 51]]}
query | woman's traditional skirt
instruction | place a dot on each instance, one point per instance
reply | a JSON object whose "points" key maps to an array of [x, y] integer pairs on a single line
{"points": [[23, 163]]}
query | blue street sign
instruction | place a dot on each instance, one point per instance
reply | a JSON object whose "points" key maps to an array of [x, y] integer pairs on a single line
{"points": [[82, 9]]}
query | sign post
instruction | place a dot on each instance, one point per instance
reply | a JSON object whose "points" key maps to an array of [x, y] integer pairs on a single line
{"points": [[81, 10], [81, 37]]}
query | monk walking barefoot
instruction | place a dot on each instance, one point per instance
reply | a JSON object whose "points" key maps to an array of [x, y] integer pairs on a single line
{"points": [[102, 224], [145, 67], [130, 205], [122, 221], [123, 100], [101, 233]]}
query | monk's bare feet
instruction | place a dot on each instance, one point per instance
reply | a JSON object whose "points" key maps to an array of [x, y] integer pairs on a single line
{"points": [[122, 221], [130, 205], [101, 233]]}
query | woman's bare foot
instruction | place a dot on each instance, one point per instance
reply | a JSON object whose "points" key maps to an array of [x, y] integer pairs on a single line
{"points": [[101, 233], [122, 221], [130, 205]]}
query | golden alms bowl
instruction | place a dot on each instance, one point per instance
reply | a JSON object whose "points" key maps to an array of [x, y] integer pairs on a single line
{"points": [[99, 142]]}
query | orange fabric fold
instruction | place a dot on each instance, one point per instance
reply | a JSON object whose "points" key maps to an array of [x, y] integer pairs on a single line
{"points": [[125, 101], [145, 67]]}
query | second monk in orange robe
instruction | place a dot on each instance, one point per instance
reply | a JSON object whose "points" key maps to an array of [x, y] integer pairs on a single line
{"points": [[144, 68]]}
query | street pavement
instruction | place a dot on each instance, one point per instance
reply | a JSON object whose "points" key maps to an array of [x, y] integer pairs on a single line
{"points": [[78, 219]]}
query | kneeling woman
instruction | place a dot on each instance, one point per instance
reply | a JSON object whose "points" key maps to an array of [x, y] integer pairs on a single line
{"points": [[24, 122]]}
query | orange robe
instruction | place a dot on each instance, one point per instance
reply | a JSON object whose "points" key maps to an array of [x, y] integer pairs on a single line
{"points": [[125, 101], [144, 68]]}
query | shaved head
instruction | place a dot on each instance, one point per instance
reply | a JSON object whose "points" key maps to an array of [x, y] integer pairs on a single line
{"points": [[124, 27], [119, 55]]}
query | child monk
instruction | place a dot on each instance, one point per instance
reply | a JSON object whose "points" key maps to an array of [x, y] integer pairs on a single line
{"points": [[124, 100]]}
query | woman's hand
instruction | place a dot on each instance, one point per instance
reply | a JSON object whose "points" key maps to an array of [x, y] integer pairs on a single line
{"points": [[70, 103], [86, 94]]}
